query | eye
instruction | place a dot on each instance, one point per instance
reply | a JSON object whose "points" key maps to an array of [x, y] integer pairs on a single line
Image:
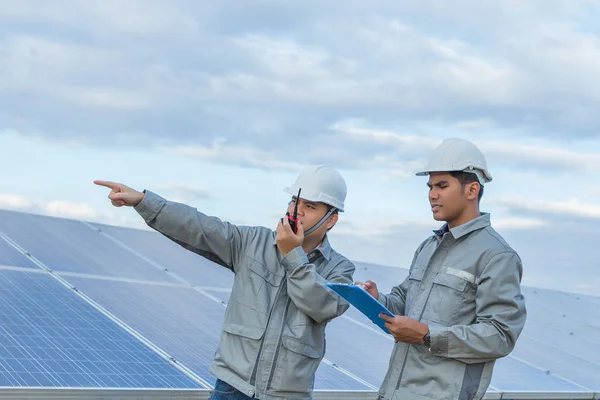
{"points": [[312, 207]]}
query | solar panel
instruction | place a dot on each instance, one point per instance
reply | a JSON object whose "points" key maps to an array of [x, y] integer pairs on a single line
{"points": [[163, 251], [50, 337], [10, 256], [179, 320], [513, 375], [330, 378], [352, 347], [558, 352], [560, 361], [563, 308], [385, 277], [68, 245]]}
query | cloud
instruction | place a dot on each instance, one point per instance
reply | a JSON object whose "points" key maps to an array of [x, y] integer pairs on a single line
{"points": [[567, 208], [14, 201], [233, 154], [187, 191], [71, 210], [541, 157], [406, 151], [378, 230], [189, 74]]}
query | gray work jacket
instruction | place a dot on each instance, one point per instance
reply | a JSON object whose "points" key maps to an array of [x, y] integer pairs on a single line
{"points": [[465, 284], [273, 335]]}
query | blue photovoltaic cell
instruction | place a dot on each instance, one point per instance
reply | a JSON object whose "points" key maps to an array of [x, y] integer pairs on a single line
{"points": [[14, 258], [71, 246], [353, 347], [571, 339], [515, 376], [220, 294], [49, 337], [329, 378], [558, 360], [385, 277], [181, 321], [590, 301], [52, 342], [190, 266], [563, 309]]}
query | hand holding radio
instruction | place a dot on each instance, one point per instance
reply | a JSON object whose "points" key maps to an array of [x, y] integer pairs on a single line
{"points": [[290, 232]]}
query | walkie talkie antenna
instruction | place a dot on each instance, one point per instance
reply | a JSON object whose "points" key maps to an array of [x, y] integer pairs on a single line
{"points": [[296, 205], [293, 219]]}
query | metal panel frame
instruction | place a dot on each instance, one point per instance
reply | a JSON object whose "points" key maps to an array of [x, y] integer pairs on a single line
{"points": [[204, 394]]}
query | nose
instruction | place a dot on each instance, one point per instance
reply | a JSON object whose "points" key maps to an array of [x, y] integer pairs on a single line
{"points": [[301, 208], [433, 194]]}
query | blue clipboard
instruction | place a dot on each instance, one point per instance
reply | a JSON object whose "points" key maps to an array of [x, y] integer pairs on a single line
{"points": [[363, 301]]}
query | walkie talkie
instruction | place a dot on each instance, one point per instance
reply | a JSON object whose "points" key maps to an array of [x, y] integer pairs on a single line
{"points": [[293, 220]]}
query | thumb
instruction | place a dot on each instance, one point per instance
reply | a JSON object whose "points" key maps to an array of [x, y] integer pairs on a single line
{"points": [[116, 195]]}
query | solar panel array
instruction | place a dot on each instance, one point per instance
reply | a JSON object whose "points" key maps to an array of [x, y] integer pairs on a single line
{"points": [[86, 305]]}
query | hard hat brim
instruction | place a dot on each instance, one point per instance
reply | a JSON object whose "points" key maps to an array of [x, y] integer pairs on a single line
{"points": [[486, 176]]}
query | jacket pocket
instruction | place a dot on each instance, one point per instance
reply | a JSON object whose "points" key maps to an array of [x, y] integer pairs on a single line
{"points": [[272, 277], [450, 293], [305, 349], [239, 348], [296, 366], [253, 294]]}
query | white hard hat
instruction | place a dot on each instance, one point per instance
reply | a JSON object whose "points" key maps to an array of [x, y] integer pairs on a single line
{"points": [[320, 184], [458, 155]]}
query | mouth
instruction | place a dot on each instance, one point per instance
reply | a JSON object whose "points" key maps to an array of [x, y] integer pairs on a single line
{"points": [[435, 207]]}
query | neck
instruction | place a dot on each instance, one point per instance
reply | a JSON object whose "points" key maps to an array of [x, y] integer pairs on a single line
{"points": [[465, 217], [310, 243]]}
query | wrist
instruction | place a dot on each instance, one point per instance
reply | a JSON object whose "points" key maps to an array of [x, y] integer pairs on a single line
{"points": [[140, 197]]}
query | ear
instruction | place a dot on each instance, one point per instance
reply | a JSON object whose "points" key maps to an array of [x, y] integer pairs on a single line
{"points": [[473, 190], [331, 221]]}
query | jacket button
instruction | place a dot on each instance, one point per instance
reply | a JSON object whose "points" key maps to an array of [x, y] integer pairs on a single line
{"points": [[250, 393]]}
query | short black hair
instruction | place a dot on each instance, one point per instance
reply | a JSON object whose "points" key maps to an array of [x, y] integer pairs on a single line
{"points": [[468, 177]]}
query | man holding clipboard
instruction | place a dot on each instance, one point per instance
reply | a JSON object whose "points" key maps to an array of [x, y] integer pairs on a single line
{"points": [[461, 306]]}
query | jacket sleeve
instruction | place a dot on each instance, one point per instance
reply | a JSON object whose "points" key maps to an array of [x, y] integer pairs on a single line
{"points": [[501, 315], [308, 289], [395, 301], [208, 236]]}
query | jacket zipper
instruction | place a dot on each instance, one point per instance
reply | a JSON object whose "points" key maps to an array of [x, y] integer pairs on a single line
{"points": [[420, 316], [279, 342], [262, 342]]}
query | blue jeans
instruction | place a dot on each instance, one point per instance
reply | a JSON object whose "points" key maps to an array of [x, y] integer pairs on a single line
{"points": [[224, 391]]}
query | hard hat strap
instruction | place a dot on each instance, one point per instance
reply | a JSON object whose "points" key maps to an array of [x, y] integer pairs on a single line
{"points": [[321, 222]]}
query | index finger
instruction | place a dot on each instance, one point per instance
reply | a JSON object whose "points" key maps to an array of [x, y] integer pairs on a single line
{"points": [[386, 317], [108, 184], [285, 225]]}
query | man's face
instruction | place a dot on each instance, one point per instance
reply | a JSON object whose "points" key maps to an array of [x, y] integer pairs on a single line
{"points": [[447, 198], [309, 213]]}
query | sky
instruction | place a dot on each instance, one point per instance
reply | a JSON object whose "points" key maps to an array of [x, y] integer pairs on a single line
{"points": [[220, 104]]}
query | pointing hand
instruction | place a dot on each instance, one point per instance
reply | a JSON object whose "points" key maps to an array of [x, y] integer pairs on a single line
{"points": [[121, 195]]}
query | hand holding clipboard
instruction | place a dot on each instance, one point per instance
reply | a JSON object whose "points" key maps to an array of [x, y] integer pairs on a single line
{"points": [[363, 301]]}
